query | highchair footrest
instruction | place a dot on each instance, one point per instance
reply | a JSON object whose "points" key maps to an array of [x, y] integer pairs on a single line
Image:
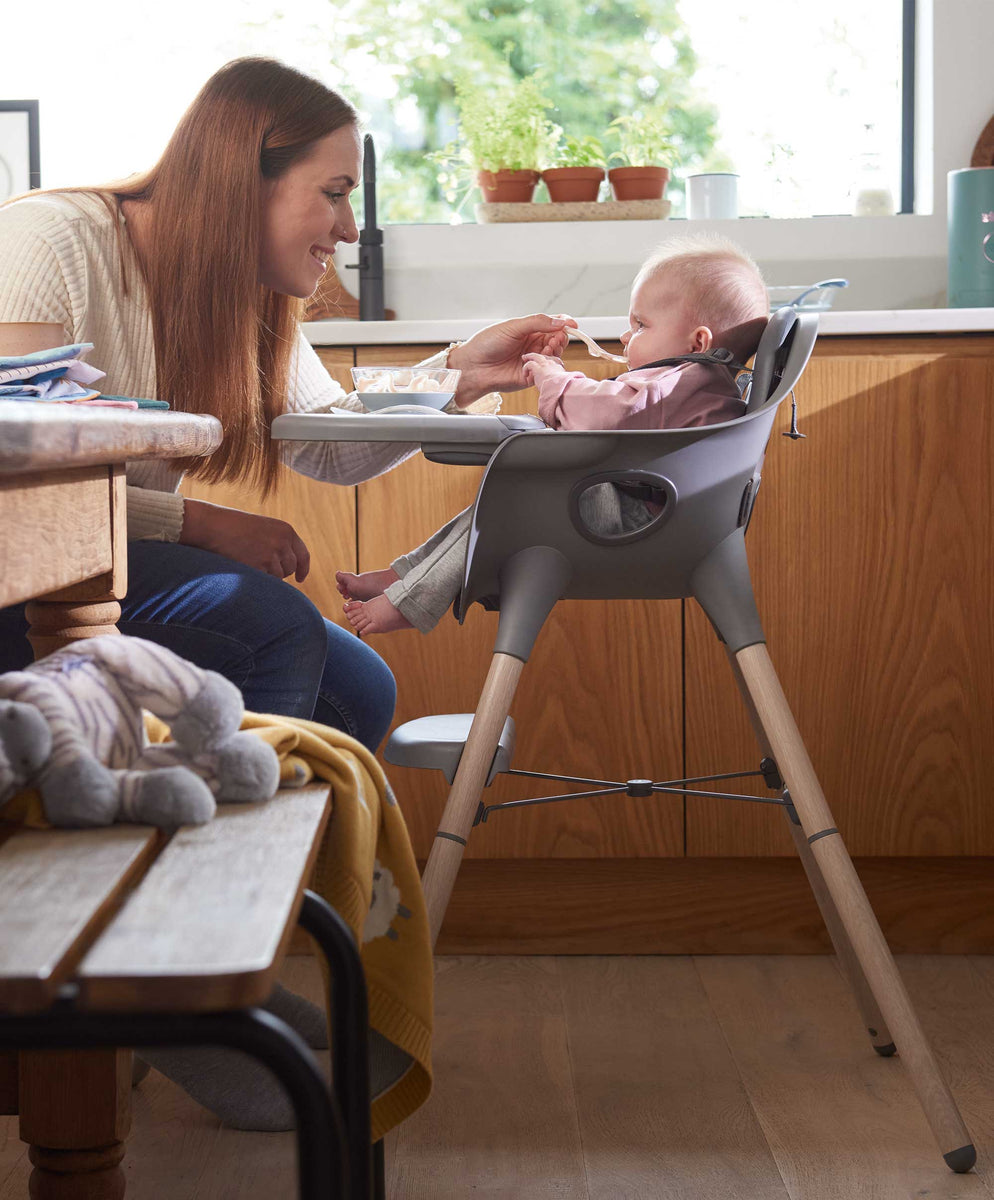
{"points": [[438, 741]]}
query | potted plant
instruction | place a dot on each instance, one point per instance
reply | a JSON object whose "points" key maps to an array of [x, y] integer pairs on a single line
{"points": [[577, 170], [505, 137], [645, 146]]}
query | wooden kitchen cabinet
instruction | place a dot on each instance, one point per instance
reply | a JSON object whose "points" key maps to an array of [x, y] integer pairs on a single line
{"points": [[871, 554]]}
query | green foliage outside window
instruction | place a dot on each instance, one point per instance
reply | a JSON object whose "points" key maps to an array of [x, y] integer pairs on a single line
{"points": [[598, 60]]}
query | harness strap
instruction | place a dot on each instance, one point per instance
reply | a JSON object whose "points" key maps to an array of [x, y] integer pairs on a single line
{"points": [[717, 357]]}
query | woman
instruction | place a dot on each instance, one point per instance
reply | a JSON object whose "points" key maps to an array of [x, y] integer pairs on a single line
{"points": [[189, 280]]}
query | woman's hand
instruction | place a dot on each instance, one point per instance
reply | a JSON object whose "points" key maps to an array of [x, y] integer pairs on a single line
{"points": [[265, 543], [490, 360], [538, 367]]}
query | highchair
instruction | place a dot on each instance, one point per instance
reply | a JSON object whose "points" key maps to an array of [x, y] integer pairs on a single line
{"points": [[531, 546]]}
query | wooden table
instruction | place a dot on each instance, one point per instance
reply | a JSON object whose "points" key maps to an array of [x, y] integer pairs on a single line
{"points": [[63, 549]]}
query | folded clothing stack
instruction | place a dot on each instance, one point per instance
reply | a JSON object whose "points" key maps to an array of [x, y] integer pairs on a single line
{"points": [[60, 375]]}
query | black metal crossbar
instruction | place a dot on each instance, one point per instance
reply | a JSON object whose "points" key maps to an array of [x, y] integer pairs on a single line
{"points": [[646, 787]]}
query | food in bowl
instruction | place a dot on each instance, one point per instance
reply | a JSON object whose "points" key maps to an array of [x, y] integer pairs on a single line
{"points": [[386, 387]]}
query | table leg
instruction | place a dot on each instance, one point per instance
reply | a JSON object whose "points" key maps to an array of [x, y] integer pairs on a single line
{"points": [[75, 1105], [75, 1114], [54, 624], [90, 608]]}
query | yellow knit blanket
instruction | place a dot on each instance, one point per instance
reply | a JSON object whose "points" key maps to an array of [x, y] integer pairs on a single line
{"points": [[366, 870]]}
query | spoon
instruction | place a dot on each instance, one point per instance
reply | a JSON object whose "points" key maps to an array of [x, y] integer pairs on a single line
{"points": [[593, 348], [825, 283]]}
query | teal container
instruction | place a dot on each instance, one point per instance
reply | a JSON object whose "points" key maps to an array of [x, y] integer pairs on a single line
{"points": [[971, 238]]}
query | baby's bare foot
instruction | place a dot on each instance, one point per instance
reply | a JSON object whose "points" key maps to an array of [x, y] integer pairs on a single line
{"points": [[377, 615], [365, 586]]}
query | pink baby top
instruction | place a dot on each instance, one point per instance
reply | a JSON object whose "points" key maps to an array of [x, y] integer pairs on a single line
{"points": [[651, 398]]}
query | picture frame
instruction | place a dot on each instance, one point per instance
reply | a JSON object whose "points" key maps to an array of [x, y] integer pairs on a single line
{"points": [[20, 147]]}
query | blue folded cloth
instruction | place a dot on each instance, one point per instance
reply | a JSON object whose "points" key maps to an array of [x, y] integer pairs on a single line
{"points": [[58, 374], [42, 358], [60, 393]]}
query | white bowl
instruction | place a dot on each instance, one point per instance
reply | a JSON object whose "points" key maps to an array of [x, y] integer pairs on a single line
{"points": [[374, 401]]}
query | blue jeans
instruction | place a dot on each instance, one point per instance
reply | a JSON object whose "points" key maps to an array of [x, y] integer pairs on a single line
{"points": [[257, 631]]}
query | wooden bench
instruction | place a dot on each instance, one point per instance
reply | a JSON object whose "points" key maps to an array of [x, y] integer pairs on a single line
{"points": [[123, 936], [62, 542]]}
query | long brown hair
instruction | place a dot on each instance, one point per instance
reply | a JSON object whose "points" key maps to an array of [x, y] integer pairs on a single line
{"points": [[223, 342]]}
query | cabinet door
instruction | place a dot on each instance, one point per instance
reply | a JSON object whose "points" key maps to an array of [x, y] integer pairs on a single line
{"points": [[324, 515], [870, 551], [600, 697]]}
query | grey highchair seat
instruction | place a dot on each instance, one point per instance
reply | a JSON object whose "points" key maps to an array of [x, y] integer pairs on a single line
{"points": [[706, 477], [530, 547]]}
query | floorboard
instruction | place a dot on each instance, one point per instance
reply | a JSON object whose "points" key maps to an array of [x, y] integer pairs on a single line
{"points": [[663, 1112], [623, 1078], [502, 1119], [841, 1121]]}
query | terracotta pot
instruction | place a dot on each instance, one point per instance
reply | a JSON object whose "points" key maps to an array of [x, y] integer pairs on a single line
{"points": [[638, 183], [507, 187], [574, 184]]}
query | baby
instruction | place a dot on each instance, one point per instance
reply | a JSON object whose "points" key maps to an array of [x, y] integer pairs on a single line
{"points": [[698, 296]]}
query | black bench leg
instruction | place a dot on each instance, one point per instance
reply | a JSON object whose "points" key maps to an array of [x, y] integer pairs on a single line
{"points": [[379, 1171], [349, 1035], [321, 1150]]}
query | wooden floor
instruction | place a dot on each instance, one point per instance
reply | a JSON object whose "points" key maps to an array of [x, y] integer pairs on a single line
{"points": [[610, 1078]]}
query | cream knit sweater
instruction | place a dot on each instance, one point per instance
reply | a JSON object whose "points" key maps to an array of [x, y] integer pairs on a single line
{"points": [[60, 263]]}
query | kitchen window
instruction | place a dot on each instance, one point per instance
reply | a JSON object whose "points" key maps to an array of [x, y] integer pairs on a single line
{"points": [[810, 104]]}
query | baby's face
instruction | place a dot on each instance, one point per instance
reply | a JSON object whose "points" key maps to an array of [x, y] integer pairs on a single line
{"points": [[658, 324]]}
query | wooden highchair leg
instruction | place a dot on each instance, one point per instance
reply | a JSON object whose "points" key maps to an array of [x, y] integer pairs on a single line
{"points": [[876, 1026], [856, 916], [873, 1019], [467, 787]]}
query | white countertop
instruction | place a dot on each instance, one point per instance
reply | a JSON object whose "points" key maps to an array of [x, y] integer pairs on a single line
{"points": [[907, 321]]}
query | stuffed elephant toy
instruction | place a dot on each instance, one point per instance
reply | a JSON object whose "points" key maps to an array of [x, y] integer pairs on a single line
{"points": [[71, 725]]}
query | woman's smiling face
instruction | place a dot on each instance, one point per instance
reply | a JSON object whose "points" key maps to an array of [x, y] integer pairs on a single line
{"points": [[307, 211]]}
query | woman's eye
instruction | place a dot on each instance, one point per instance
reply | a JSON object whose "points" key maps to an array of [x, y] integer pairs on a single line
{"points": [[333, 196]]}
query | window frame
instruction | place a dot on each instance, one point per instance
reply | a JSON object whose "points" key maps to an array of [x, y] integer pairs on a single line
{"points": [[909, 60]]}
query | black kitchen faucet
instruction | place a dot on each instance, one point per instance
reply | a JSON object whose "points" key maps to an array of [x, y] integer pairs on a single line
{"points": [[370, 264]]}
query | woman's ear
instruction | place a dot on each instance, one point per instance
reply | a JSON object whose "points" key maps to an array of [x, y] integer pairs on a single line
{"points": [[701, 340]]}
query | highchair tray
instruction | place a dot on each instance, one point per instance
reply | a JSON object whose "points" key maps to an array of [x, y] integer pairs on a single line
{"points": [[444, 437]]}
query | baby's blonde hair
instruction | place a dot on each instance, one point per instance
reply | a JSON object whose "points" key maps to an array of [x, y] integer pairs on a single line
{"points": [[721, 285]]}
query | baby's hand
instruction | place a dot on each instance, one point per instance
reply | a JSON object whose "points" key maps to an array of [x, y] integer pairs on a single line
{"points": [[540, 366]]}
